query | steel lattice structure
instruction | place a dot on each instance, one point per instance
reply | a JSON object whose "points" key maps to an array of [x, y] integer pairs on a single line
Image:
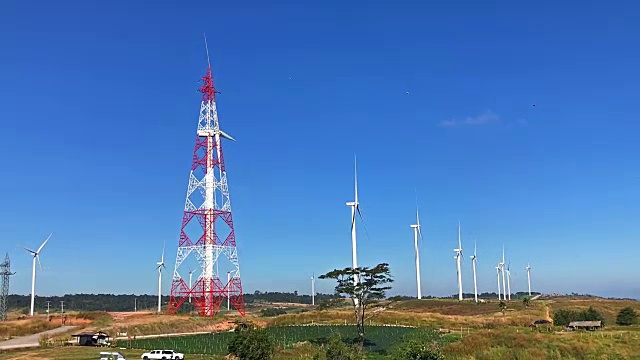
{"points": [[207, 231], [5, 272]]}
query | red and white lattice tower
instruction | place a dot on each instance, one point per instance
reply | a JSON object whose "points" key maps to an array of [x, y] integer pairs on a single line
{"points": [[207, 231]]}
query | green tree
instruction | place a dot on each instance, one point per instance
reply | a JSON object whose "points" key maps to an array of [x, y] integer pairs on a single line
{"points": [[503, 306], [369, 289], [627, 316], [526, 301], [251, 343]]}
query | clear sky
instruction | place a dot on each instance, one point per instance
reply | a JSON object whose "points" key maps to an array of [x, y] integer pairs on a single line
{"points": [[99, 109]]}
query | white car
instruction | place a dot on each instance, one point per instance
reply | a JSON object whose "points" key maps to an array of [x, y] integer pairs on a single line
{"points": [[162, 355], [111, 355]]}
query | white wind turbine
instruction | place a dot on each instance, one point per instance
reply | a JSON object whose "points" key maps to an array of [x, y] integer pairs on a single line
{"points": [[529, 277], [509, 281], [355, 208], [458, 258], [159, 268], [504, 287], [473, 263], [417, 232], [36, 256], [190, 277], [498, 273], [313, 289]]}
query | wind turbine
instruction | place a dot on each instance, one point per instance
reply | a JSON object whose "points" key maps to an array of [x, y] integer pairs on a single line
{"points": [[190, 277], [417, 232], [458, 258], [159, 268], [473, 263], [355, 208], [504, 288], [509, 280], [313, 289], [529, 277], [36, 256], [498, 273]]}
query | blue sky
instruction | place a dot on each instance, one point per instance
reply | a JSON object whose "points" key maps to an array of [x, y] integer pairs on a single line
{"points": [[99, 110]]}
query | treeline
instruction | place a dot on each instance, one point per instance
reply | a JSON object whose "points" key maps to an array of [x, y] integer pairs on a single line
{"points": [[563, 317], [128, 302]]}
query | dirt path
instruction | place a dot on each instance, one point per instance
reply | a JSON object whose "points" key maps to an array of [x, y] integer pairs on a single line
{"points": [[32, 340]]}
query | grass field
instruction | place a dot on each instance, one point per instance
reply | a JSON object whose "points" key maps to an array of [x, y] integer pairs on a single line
{"points": [[379, 339], [481, 331]]}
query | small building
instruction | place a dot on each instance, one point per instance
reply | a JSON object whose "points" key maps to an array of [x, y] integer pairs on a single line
{"points": [[584, 325], [542, 323], [92, 338]]}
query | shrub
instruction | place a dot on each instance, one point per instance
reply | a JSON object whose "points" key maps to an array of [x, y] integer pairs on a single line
{"points": [[251, 343], [272, 312], [424, 345], [336, 349], [627, 316]]}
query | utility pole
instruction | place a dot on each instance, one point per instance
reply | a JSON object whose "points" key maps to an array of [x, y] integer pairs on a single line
{"points": [[5, 273], [62, 316]]}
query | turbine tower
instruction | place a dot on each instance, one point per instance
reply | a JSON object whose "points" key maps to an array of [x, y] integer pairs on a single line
{"points": [[509, 281], [504, 288], [529, 277], [36, 256], [473, 263], [498, 273], [417, 233], [313, 289], [5, 272], [458, 258], [355, 208], [207, 231], [159, 268]]}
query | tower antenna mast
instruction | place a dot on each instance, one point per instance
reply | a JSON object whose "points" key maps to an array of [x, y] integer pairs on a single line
{"points": [[207, 231]]}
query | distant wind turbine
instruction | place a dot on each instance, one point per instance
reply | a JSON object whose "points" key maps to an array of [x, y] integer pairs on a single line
{"points": [[504, 288], [529, 277], [36, 256], [417, 232], [498, 273], [473, 263], [509, 281], [355, 208], [159, 268], [313, 289], [458, 258]]}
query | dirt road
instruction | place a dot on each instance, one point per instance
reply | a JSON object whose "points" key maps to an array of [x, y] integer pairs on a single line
{"points": [[32, 340]]}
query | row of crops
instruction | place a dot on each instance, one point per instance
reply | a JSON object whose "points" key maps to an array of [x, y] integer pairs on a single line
{"points": [[379, 338]]}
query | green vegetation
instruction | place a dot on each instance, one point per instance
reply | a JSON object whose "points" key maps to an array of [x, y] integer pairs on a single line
{"points": [[379, 339], [563, 317], [627, 316], [337, 349], [369, 289], [424, 344], [272, 312], [251, 343]]}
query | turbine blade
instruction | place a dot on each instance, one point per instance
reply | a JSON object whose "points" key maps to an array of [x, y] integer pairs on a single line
{"points": [[44, 243], [29, 250], [39, 263], [475, 246], [355, 172], [226, 136], [163, 245], [364, 225], [459, 238]]}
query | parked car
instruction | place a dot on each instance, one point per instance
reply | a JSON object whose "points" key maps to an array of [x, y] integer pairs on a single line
{"points": [[162, 355], [111, 355]]}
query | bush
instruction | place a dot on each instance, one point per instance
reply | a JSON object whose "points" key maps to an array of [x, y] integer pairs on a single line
{"points": [[251, 343], [627, 316], [424, 345], [336, 349], [563, 317], [272, 312]]}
